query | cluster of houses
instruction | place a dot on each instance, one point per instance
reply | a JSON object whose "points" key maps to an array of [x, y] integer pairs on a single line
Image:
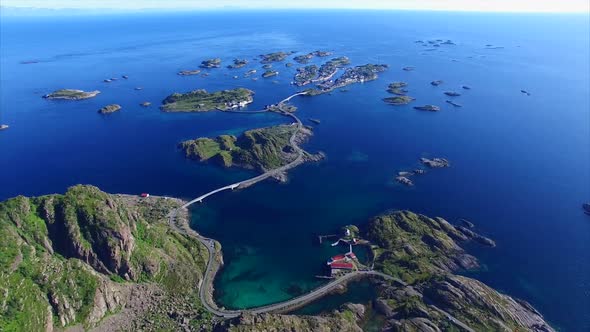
{"points": [[342, 263]]}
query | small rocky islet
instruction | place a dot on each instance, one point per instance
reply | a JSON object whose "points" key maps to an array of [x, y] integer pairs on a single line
{"points": [[404, 177], [398, 100], [108, 109], [211, 63], [453, 103], [435, 162], [71, 94], [429, 108], [397, 88], [274, 57], [270, 73], [189, 72], [238, 63]]}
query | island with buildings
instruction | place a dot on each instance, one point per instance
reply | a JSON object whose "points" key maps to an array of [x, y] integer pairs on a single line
{"points": [[202, 101]]}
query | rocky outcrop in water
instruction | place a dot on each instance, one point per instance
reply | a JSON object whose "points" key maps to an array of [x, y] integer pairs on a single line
{"points": [[71, 94], [435, 162], [110, 109]]}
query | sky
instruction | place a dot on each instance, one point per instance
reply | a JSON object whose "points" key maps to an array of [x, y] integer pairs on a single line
{"points": [[452, 5]]}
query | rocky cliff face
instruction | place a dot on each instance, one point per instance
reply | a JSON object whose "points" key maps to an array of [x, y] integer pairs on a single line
{"points": [[70, 260], [425, 252]]}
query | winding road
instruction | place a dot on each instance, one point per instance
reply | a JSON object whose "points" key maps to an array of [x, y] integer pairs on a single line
{"points": [[215, 258]]}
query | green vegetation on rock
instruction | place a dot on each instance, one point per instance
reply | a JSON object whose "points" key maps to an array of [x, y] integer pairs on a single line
{"points": [[424, 252], [201, 100], [398, 100], [274, 57], [70, 94], [77, 258], [261, 149]]}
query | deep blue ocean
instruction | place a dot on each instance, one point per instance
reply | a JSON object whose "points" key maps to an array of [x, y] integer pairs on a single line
{"points": [[520, 164]]}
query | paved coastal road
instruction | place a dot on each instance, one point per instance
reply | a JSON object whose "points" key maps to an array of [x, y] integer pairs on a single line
{"points": [[213, 263]]}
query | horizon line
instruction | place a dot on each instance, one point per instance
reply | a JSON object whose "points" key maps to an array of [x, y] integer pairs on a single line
{"points": [[39, 10]]}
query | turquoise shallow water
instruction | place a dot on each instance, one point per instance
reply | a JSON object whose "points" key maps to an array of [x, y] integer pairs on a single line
{"points": [[521, 167]]}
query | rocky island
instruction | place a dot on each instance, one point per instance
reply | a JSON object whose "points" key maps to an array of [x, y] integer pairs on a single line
{"points": [[304, 58], [112, 108], [189, 72], [305, 75], [202, 101], [358, 74], [330, 68], [211, 63], [270, 73], [436, 83], [274, 57], [452, 94], [453, 103], [259, 149], [398, 100], [238, 63], [435, 162], [397, 88], [71, 94], [429, 108]]}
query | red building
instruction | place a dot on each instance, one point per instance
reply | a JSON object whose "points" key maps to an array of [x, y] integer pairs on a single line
{"points": [[342, 266], [338, 258], [351, 255]]}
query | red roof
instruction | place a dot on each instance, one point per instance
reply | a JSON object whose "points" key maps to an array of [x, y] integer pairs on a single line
{"points": [[145, 195], [347, 266], [338, 257]]}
